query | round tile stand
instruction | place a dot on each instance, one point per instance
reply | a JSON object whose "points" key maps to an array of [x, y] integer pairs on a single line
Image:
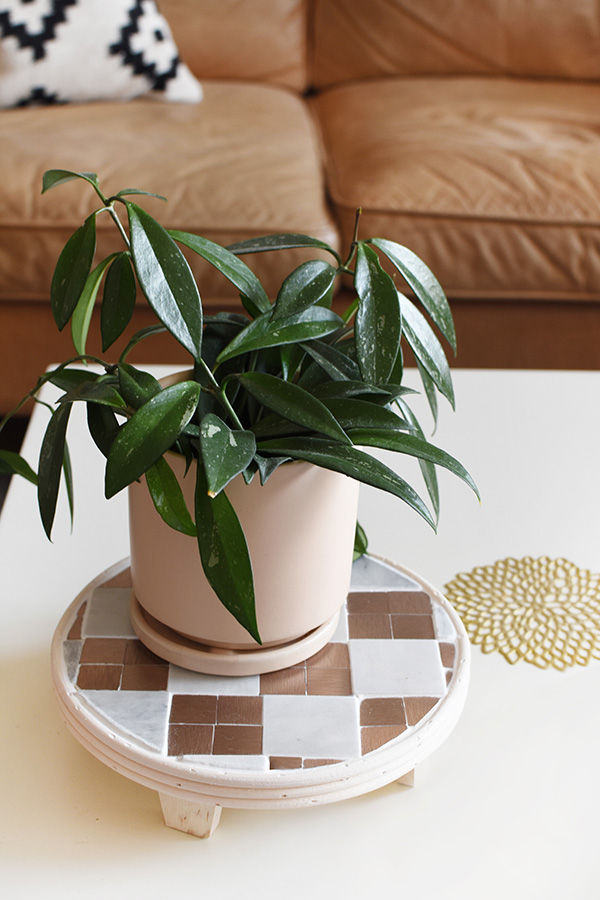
{"points": [[381, 696]]}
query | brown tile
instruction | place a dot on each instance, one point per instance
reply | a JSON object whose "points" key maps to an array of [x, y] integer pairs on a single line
{"points": [[369, 626], [99, 678], [137, 654], [286, 681], [122, 580], [413, 627], [448, 653], [409, 602], [103, 650], [368, 602], [417, 707], [145, 678], [334, 682], [75, 630], [240, 710], [190, 739], [449, 675], [314, 763], [194, 709], [285, 762], [382, 711], [332, 656], [245, 740], [374, 737]]}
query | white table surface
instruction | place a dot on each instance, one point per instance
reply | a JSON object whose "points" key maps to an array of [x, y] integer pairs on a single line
{"points": [[507, 807]]}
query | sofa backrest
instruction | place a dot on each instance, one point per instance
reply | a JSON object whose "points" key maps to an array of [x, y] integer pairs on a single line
{"points": [[242, 40], [356, 39]]}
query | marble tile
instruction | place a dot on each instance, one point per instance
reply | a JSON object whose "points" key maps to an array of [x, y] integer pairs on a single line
{"points": [[225, 762], [444, 627], [107, 614], [182, 681], [400, 668], [319, 727], [141, 714], [72, 653], [372, 574]]}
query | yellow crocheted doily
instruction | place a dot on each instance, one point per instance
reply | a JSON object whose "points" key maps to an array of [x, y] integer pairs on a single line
{"points": [[545, 611]]}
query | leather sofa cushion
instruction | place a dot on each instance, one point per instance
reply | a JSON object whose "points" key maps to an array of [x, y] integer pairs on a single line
{"points": [[244, 162], [262, 40], [494, 182], [528, 38]]}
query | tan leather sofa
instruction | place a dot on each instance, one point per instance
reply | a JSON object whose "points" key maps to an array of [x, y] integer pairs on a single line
{"points": [[469, 131]]}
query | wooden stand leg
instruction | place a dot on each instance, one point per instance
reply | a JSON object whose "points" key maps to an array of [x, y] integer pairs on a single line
{"points": [[408, 779], [186, 815]]}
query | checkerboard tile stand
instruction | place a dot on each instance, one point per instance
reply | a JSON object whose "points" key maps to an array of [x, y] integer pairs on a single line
{"points": [[362, 713]]}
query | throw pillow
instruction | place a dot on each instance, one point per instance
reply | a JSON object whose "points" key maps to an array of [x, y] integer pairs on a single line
{"points": [[61, 51]]}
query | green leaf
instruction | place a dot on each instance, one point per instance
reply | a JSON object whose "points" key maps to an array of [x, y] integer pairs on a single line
{"points": [[361, 543], [135, 191], [118, 300], [82, 314], [428, 469], [13, 464], [312, 323], [103, 426], [293, 403], [225, 453], [71, 272], [426, 347], [166, 279], [236, 271], [140, 336], [378, 324], [424, 284], [333, 361], [69, 379], [281, 242], [52, 455], [224, 555], [137, 386], [95, 391], [306, 286], [168, 498], [54, 177], [413, 445], [350, 461], [354, 413], [373, 394], [150, 432]]}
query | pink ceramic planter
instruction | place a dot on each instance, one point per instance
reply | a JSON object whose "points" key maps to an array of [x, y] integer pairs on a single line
{"points": [[300, 533]]}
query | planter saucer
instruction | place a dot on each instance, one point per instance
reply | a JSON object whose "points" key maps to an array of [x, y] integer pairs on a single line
{"points": [[189, 654]]}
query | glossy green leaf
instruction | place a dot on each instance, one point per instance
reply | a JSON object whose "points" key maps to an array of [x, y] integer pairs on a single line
{"points": [[149, 433], [166, 279], [69, 379], [82, 314], [333, 361], [118, 300], [373, 393], [361, 543], [68, 476], [293, 403], [103, 426], [424, 284], [168, 498], [350, 461], [306, 286], [50, 466], [281, 242], [236, 271], [95, 392], [137, 386], [12, 463], [224, 555], [426, 347], [428, 469], [312, 323], [71, 272], [225, 453], [128, 192], [378, 324], [412, 445], [352, 412], [54, 177]]}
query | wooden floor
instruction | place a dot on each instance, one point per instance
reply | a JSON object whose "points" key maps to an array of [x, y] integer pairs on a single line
{"points": [[11, 439]]}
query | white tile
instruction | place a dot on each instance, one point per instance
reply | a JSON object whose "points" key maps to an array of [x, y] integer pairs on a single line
{"points": [[410, 668], [182, 681], [341, 629], [72, 653], [372, 574], [444, 626], [252, 763], [317, 727], [107, 614], [142, 715]]}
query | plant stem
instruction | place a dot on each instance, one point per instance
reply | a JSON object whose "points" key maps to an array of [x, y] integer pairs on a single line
{"points": [[220, 394]]}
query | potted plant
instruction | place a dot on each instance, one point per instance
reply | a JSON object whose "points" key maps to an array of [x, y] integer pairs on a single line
{"points": [[288, 386]]}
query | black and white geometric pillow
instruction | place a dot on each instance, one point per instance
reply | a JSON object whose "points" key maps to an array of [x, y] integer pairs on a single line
{"points": [[62, 51]]}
